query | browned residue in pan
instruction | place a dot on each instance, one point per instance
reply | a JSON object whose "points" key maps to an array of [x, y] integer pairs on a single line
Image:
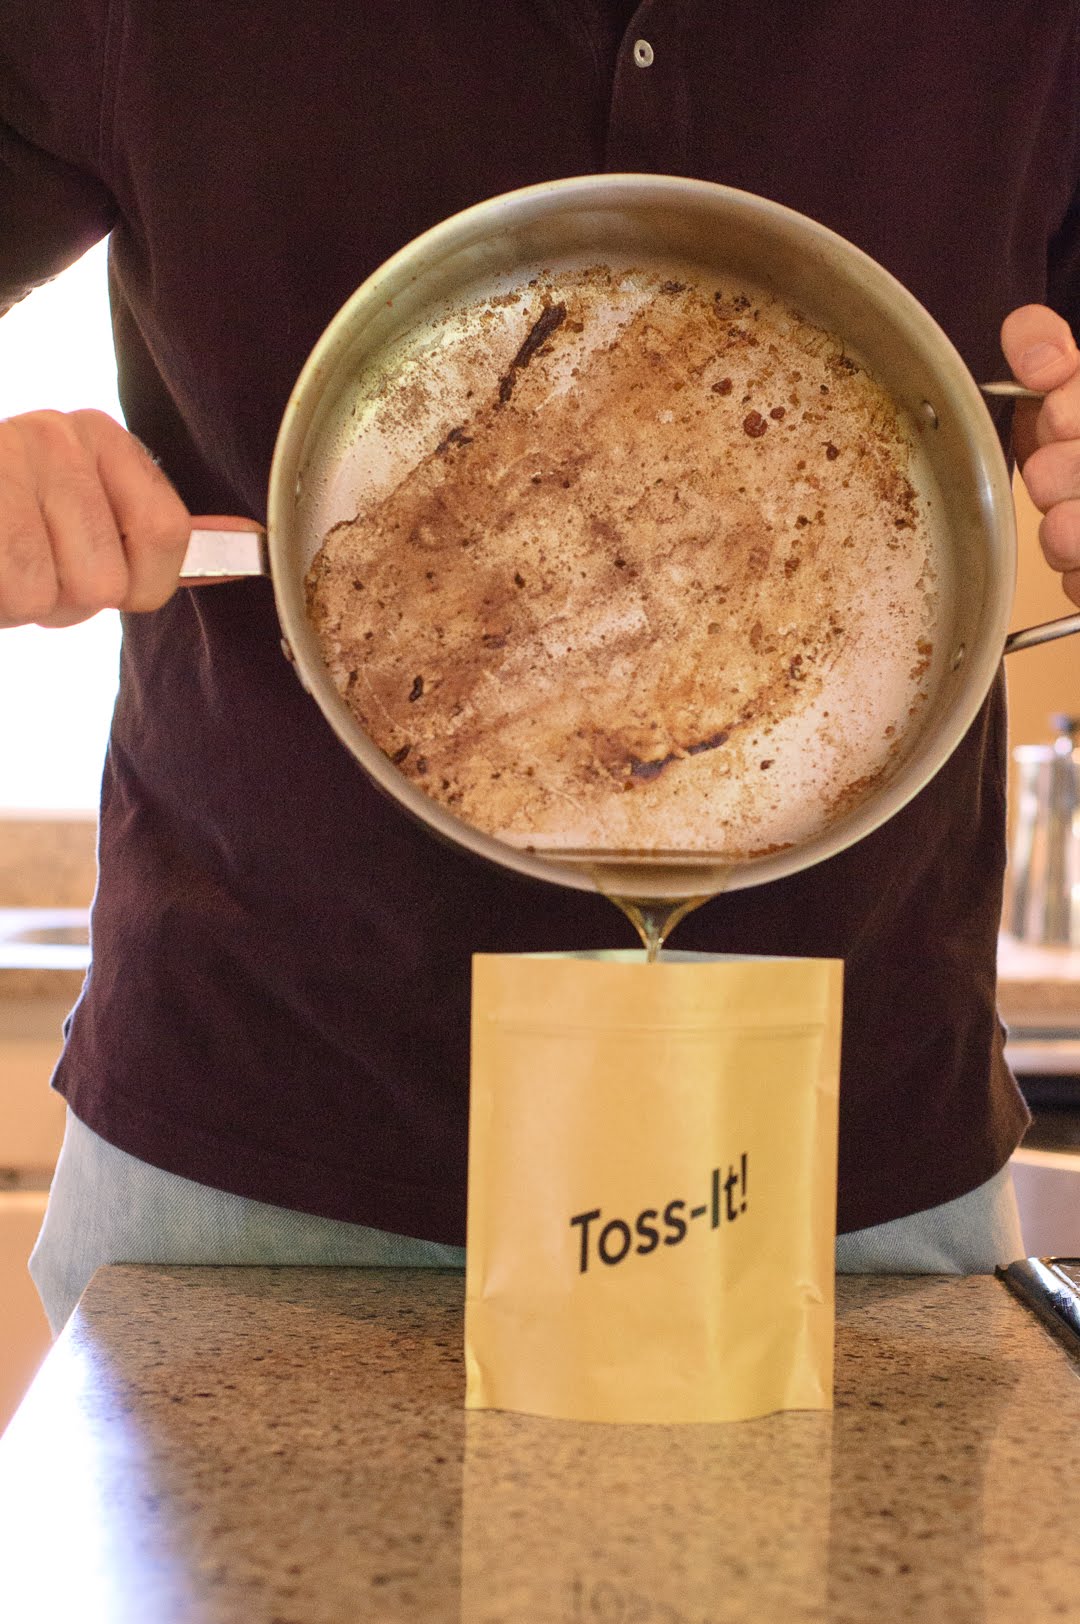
{"points": [[600, 610]]}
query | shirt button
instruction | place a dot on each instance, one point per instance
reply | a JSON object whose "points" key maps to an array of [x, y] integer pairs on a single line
{"points": [[643, 53]]}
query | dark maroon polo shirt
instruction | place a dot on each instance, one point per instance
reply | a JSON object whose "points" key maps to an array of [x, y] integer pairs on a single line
{"points": [[279, 997]]}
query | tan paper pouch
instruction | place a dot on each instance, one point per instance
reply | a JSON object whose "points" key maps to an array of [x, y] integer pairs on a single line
{"points": [[652, 1185]]}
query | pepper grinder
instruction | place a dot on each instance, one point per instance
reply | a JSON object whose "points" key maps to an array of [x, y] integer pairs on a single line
{"points": [[1045, 859]]}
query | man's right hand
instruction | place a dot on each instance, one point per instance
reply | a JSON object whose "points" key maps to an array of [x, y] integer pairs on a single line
{"points": [[87, 520]]}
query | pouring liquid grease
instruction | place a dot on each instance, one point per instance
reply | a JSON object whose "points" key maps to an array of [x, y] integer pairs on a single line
{"points": [[655, 920], [654, 890]]}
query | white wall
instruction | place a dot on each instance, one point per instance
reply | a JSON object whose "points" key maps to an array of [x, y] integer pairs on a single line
{"points": [[57, 687]]}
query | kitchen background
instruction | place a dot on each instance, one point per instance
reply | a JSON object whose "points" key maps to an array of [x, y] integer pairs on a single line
{"points": [[57, 687]]}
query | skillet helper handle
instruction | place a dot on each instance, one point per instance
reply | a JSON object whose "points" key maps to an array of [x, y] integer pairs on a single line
{"points": [[224, 550], [1031, 636], [1009, 389]]}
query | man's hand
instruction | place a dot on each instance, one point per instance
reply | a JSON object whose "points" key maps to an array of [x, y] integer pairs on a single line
{"points": [[1043, 355], [87, 520]]}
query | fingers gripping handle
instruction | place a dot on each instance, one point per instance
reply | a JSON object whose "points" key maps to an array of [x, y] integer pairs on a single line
{"points": [[1069, 625]]}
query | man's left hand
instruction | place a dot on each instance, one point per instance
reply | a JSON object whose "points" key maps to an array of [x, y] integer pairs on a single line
{"points": [[1042, 353]]}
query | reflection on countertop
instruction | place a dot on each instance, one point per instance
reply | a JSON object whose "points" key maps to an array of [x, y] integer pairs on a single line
{"points": [[44, 952], [56, 938], [48, 872], [1038, 986], [1054, 1128], [291, 1443]]}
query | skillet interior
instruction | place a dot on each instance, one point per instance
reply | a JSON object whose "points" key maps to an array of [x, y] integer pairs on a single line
{"points": [[327, 459]]}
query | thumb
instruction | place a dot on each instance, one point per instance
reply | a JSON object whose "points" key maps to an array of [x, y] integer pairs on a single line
{"points": [[1041, 352], [1039, 347]]}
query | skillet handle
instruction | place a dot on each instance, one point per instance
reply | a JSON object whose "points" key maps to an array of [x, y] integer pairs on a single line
{"points": [[236, 550], [1046, 633], [224, 549], [1009, 389]]}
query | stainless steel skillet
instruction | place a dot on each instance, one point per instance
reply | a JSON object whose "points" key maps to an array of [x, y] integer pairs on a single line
{"points": [[326, 458]]}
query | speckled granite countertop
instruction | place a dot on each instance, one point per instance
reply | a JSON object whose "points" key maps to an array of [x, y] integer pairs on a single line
{"points": [[288, 1446]]}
